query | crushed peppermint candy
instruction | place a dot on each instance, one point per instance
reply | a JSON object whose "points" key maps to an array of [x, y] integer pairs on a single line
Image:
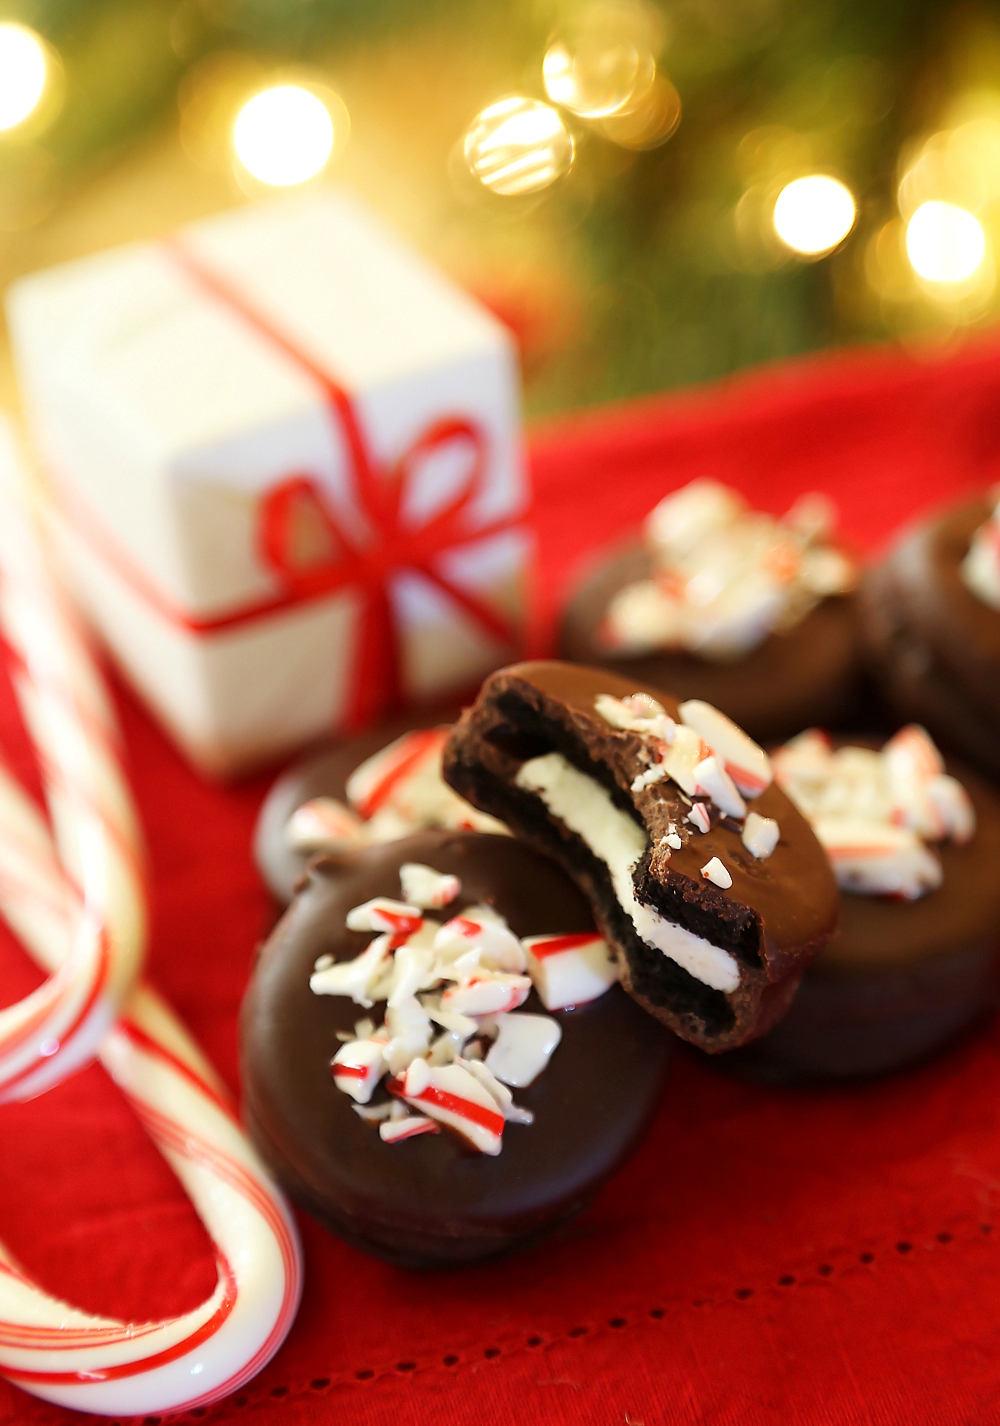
{"points": [[391, 1131], [874, 811], [980, 569], [708, 758], [452, 1039], [705, 754], [725, 576], [523, 1047], [713, 782], [743, 761], [717, 873], [570, 970], [760, 835], [397, 791], [382, 914], [427, 888], [324, 825]]}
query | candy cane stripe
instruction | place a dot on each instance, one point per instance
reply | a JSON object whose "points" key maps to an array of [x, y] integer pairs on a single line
{"points": [[77, 904]]}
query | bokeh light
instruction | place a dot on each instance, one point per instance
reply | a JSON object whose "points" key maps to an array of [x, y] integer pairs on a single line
{"points": [[944, 243], [518, 146], [23, 71], [649, 123], [598, 76], [813, 214], [284, 135]]}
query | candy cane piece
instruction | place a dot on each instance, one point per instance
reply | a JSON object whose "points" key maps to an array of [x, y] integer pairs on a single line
{"points": [[97, 1364], [54, 1031]]}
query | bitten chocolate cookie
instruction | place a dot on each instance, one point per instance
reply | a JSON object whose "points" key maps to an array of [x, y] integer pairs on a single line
{"points": [[931, 614], [917, 956], [752, 614], [414, 1072], [374, 788], [713, 908]]}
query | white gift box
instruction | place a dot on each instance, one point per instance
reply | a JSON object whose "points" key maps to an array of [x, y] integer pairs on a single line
{"points": [[286, 469]]}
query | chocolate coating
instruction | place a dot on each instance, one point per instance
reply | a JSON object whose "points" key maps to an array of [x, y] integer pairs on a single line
{"points": [[778, 913], [933, 644], [811, 674], [431, 1201], [320, 774], [900, 978]]}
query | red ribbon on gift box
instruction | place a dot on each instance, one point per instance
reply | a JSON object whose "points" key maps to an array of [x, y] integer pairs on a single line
{"points": [[365, 560]]}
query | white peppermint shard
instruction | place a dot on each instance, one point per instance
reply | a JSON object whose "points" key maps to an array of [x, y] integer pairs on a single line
{"points": [[523, 1047], [980, 569], [429, 889], [383, 914], [716, 872], [760, 835], [570, 969], [745, 763], [324, 825]]}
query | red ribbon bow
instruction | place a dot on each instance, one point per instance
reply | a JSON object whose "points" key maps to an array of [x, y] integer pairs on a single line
{"points": [[365, 562]]}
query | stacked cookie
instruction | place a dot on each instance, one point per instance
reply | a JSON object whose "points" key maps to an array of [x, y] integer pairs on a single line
{"points": [[455, 1034], [498, 926]]}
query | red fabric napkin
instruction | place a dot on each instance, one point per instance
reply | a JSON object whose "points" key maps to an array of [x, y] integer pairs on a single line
{"points": [[768, 1255]]}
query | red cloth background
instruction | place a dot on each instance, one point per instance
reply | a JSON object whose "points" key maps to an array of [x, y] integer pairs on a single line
{"points": [[769, 1255]]}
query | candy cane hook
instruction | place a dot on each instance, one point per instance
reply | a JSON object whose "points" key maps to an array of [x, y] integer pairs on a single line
{"points": [[52, 1032], [97, 1364]]}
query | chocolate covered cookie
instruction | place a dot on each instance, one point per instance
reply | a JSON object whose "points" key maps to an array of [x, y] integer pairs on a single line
{"points": [[708, 882], [917, 956], [437, 1060], [931, 613], [751, 614], [374, 788]]}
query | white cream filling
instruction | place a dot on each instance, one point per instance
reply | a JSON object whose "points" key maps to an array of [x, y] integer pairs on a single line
{"points": [[586, 808]]}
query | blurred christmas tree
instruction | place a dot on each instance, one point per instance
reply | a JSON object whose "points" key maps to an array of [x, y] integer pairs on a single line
{"points": [[652, 257]]}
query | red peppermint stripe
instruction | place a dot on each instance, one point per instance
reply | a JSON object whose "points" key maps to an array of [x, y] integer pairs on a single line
{"points": [[452, 1104], [555, 945], [400, 926], [419, 745]]}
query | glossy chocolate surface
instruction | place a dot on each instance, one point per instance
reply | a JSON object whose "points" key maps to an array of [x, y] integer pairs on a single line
{"points": [[900, 978], [779, 911], [430, 1200], [933, 644], [810, 674]]}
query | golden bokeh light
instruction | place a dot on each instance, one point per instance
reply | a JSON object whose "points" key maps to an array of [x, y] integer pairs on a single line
{"points": [[518, 146], [23, 73], [650, 123], [597, 76], [813, 214], [945, 243], [284, 135]]}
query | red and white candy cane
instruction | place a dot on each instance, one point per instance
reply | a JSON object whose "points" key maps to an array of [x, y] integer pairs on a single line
{"points": [[52, 1032], [98, 1364]]}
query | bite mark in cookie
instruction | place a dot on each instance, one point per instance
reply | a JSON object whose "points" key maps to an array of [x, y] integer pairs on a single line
{"points": [[719, 964]]}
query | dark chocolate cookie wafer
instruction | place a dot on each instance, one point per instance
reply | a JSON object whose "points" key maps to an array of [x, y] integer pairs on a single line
{"points": [[933, 645], [431, 1200], [713, 909]]}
